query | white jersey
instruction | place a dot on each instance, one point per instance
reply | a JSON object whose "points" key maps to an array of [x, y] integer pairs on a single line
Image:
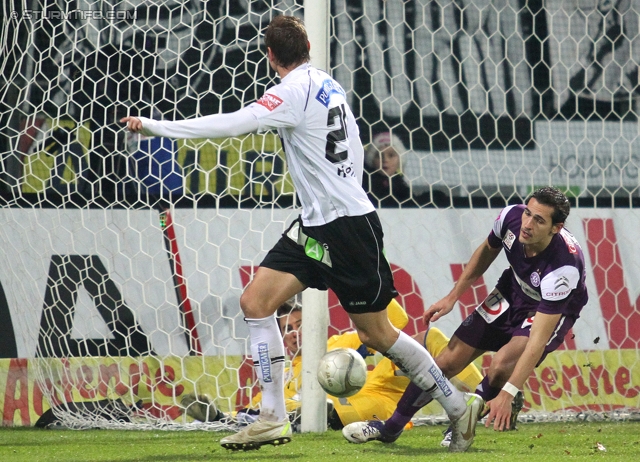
{"points": [[321, 141], [319, 134]]}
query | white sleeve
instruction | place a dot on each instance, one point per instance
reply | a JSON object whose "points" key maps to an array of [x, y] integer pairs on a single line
{"points": [[212, 126], [279, 107], [497, 225]]}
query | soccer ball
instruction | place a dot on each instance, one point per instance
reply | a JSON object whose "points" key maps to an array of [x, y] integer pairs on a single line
{"points": [[342, 372]]}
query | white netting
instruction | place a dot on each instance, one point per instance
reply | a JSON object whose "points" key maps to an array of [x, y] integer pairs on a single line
{"points": [[124, 257]]}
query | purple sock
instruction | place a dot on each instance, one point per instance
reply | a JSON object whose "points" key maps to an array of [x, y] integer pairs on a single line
{"points": [[486, 391], [413, 399]]}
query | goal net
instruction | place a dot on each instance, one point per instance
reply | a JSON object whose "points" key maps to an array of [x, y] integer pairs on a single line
{"points": [[124, 257]]}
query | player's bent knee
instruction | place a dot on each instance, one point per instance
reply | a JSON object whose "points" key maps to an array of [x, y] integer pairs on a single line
{"points": [[245, 304], [254, 308]]}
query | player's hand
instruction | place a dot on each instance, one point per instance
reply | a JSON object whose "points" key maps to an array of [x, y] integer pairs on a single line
{"points": [[133, 124], [500, 411], [437, 310]]}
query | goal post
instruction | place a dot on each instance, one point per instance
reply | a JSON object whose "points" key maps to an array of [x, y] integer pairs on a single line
{"points": [[315, 302], [123, 257]]}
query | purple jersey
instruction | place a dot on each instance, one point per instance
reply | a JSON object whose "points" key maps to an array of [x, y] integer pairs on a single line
{"points": [[552, 282]]}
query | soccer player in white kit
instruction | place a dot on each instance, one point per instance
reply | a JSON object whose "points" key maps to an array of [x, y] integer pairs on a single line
{"points": [[336, 242]]}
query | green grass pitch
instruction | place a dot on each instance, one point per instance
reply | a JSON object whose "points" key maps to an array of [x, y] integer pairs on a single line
{"points": [[532, 442]]}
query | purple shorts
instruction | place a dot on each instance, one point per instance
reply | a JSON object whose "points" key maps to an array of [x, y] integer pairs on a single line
{"points": [[475, 331]]}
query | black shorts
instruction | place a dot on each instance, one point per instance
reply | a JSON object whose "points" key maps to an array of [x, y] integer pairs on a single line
{"points": [[345, 255]]}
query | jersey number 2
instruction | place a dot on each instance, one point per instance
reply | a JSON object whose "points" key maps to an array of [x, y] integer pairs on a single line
{"points": [[336, 136]]}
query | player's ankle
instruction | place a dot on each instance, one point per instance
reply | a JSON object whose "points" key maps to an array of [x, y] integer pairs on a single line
{"points": [[392, 427]]}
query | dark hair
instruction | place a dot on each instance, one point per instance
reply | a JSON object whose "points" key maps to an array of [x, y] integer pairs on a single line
{"points": [[287, 38], [287, 308], [555, 198]]}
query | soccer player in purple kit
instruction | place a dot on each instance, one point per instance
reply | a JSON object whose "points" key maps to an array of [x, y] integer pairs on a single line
{"points": [[535, 303]]}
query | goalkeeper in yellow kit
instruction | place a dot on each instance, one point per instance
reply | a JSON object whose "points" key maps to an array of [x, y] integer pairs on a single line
{"points": [[385, 383]]}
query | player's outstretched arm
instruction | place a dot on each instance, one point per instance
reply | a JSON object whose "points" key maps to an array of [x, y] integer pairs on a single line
{"points": [[541, 330], [212, 126], [481, 259]]}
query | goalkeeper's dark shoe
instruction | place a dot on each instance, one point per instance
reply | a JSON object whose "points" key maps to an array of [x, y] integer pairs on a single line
{"points": [[516, 407], [363, 432], [333, 418], [259, 433], [201, 407]]}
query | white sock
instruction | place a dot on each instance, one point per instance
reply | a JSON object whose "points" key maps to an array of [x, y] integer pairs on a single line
{"points": [[415, 361], [267, 352]]}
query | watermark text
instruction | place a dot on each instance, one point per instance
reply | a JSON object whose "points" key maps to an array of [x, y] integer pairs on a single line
{"points": [[118, 15]]}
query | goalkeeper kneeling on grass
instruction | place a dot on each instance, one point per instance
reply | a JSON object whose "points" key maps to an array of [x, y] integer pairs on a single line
{"points": [[376, 400]]}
